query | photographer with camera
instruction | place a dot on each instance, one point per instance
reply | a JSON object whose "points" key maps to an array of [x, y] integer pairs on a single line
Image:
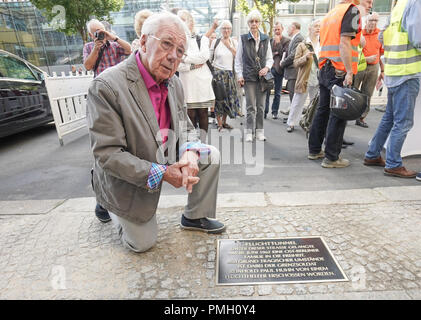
{"points": [[105, 51]]}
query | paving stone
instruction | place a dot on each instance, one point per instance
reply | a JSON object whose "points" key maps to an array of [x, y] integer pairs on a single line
{"points": [[283, 289], [264, 290], [182, 293], [381, 238], [247, 291]]}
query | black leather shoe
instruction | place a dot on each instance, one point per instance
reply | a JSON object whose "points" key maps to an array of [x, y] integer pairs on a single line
{"points": [[347, 143], [202, 224], [102, 214]]}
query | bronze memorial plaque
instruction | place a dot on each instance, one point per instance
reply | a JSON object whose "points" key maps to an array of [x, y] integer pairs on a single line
{"points": [[286, 260]]}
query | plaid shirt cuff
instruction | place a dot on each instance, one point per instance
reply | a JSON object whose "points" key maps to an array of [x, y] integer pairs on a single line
{"points": [[202, 149], [155, 175]]}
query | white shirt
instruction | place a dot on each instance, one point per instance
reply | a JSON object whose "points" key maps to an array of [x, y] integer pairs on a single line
{"points": [[222, 57], [197, 83], [239, 57], [312, 79]]}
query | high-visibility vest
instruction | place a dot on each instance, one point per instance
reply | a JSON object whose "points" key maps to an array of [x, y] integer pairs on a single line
{"points": [[401, 57], [330, 38], [362, 63]]}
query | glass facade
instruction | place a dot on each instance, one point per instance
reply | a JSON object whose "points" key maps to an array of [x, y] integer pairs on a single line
{"points": [[26, 33]]}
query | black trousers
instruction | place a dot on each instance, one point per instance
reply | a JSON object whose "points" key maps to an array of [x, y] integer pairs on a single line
{"points": [[325, 125]]}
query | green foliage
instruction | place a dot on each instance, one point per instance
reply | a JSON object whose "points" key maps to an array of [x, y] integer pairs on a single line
{"points": [[266, 7], [73, 15]]}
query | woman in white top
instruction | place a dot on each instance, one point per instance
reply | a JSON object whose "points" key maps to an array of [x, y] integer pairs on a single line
{"points": [[196, 76], [223, 52]]}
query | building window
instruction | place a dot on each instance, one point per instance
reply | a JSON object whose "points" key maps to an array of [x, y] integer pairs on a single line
{"points": [[382, 6]]}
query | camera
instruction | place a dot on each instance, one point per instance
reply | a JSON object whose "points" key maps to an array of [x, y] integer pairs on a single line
{"points": [[100, 35]]}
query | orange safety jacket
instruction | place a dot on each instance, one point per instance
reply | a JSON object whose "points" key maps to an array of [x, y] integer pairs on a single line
{"points": [[330, 38]]}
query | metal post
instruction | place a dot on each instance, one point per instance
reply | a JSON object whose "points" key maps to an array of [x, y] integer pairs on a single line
{"points": [[16, 33], [42, 39]]}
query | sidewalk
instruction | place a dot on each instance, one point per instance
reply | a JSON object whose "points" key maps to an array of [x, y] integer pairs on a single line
{"points": [[57, 249]]}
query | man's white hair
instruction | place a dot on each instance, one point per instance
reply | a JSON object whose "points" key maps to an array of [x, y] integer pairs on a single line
{"points": [[91, 22], [155, 21]]}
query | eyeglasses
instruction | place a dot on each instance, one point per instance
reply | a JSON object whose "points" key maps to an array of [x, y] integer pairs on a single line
{"points": [[169, 46], [254, 21]]}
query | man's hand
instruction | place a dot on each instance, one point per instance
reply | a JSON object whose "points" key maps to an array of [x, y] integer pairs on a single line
{"points": [[173, 174], [183, 173], [263, 72], [98, 44], [380, 80], [109, 36], [241, 82], [348, 79], [190, 170]]}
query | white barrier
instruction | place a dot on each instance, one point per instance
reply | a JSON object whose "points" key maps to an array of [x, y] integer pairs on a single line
{"points": [[67, 96]]}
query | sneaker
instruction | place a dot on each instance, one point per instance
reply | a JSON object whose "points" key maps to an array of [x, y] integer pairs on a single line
{"points": [[260, 135], [315, 156], [285, 112], [340, 163], [102, 214], [274, 116], [249, 137], [203, 224], [418, 177], [400, 172], [380, 108], [374, 162], [290, 129], [265, 116], [361, 123]]}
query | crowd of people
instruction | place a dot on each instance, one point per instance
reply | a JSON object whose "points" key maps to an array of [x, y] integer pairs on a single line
{"points": [[148, 116]]}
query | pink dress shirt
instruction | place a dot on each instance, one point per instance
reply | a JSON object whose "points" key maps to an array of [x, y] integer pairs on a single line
{"points": [[158, 95]]}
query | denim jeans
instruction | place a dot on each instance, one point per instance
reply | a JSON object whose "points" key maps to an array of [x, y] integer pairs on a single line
{"points": [[277, 97], [325, 125], [396, 123]]}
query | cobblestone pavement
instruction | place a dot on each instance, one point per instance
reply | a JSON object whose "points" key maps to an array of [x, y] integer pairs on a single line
{"points": [[59, 250]]}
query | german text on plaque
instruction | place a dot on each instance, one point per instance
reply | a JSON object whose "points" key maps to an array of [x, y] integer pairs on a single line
{"points": [[293, 260]]}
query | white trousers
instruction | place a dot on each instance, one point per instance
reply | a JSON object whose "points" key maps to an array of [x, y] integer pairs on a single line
{"points": [[297, 105]]}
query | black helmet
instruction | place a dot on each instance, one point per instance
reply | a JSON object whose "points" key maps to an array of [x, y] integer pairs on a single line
{"points": [[347, 103]]}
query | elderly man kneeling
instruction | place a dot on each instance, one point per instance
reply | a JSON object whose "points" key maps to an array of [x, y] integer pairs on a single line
{"points": [[141, 136]]}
